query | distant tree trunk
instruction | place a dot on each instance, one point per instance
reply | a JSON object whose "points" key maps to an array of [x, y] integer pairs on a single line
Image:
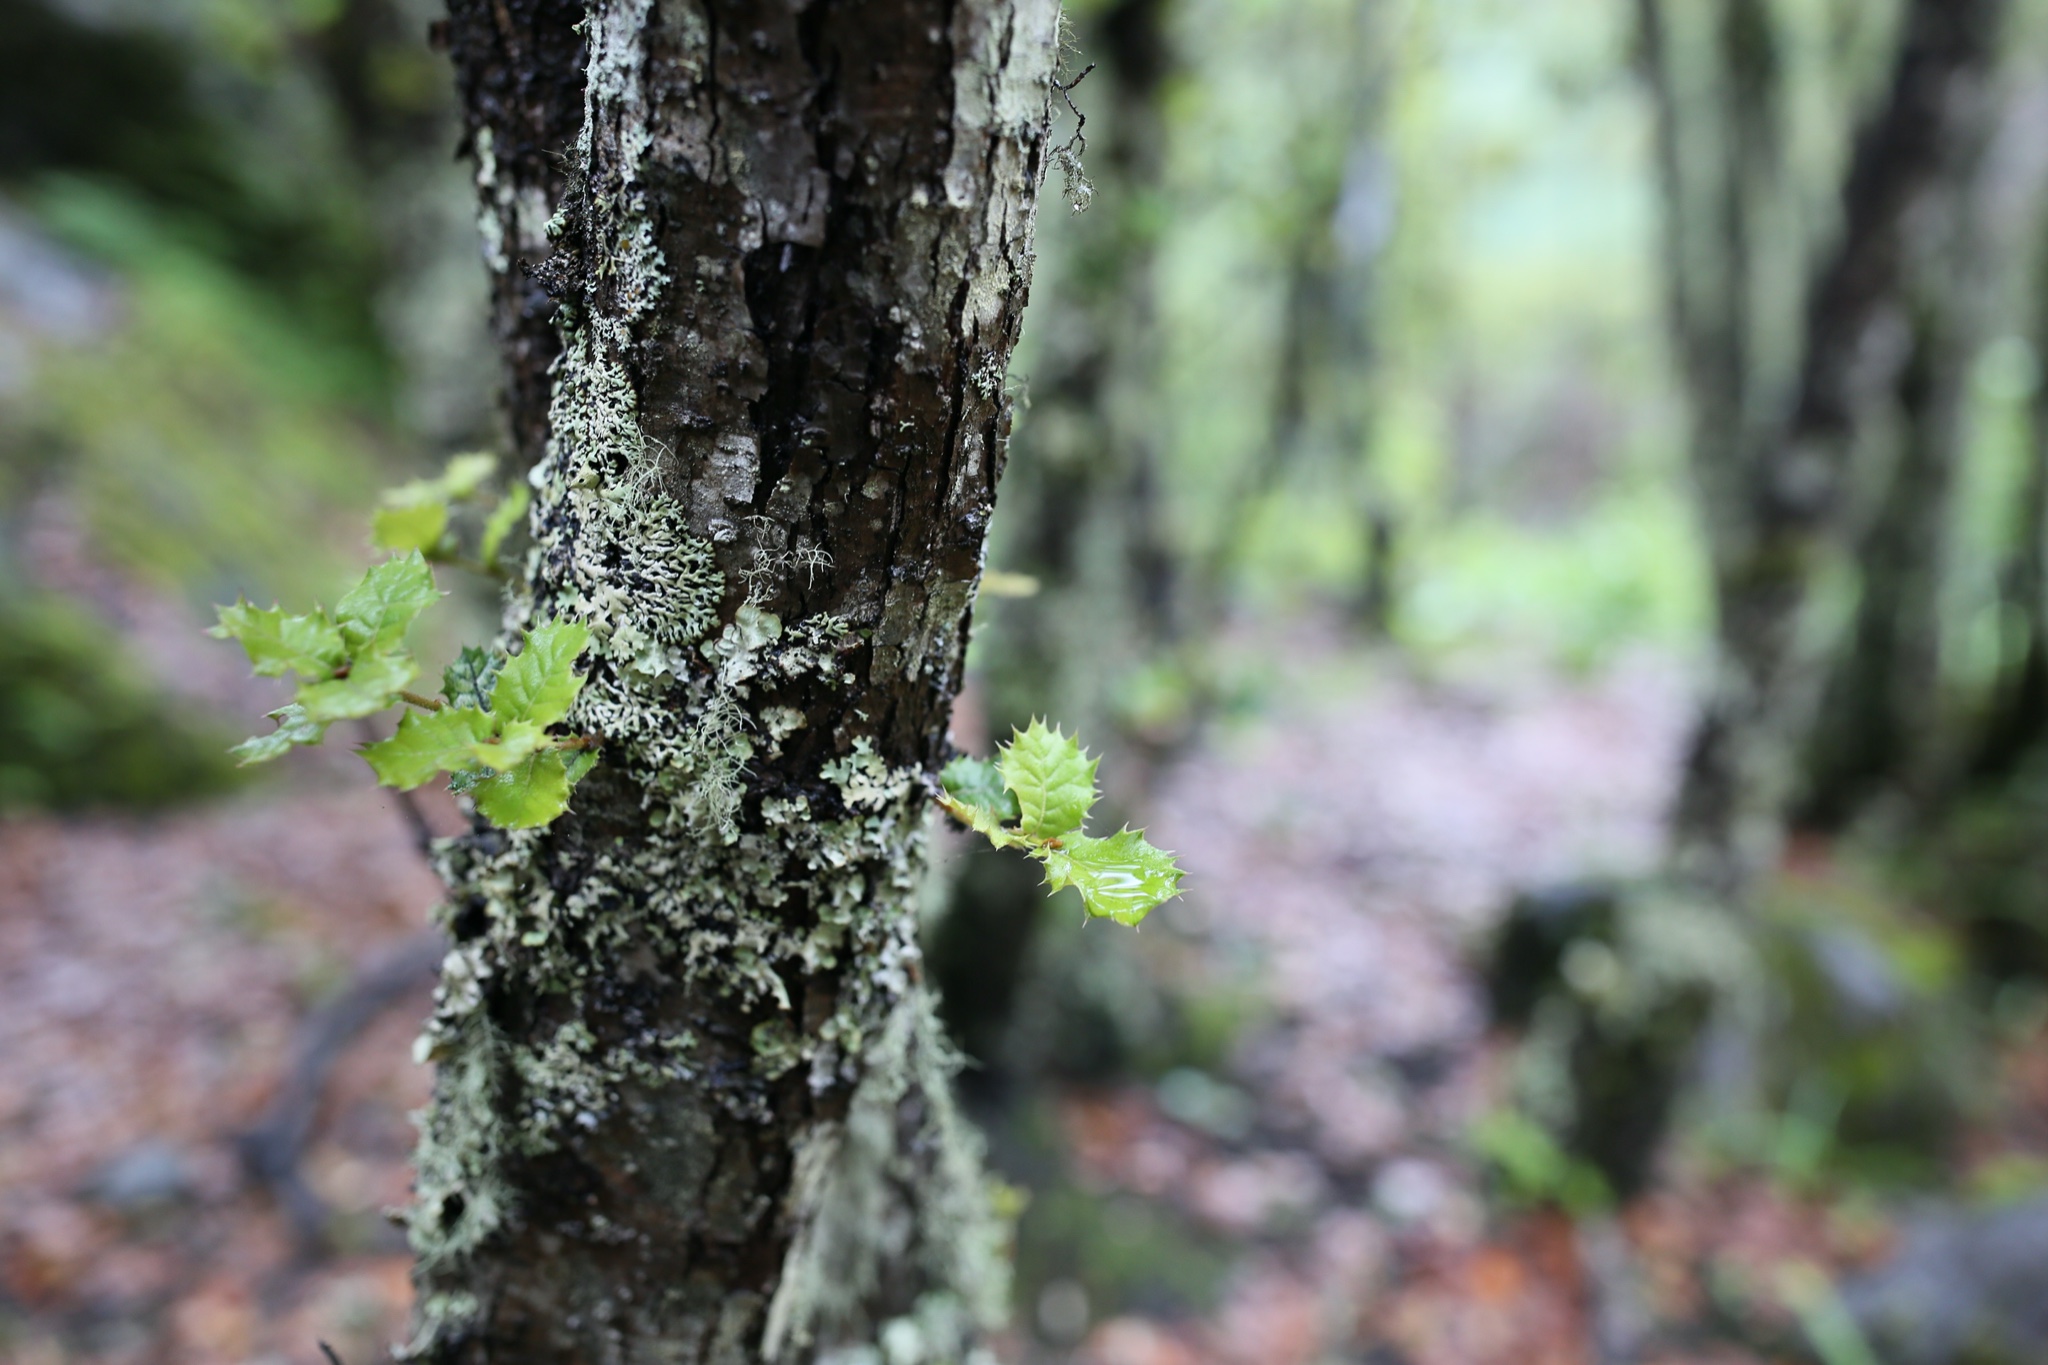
{"points": [[1083, 511], [1773, 445], [691, 1101], [1877, 727], [1783, 485], [1322, 406], [2017, 720]]}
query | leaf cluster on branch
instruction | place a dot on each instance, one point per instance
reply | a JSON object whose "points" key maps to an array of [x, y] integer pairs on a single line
{"points": [[1035, 797]]}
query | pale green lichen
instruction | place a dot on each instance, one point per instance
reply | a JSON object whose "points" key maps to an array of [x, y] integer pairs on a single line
{"points": [[847, 1197], [706, 898]]}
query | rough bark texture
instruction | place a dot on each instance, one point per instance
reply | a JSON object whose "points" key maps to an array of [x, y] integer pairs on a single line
{"points": [[519, 74], [692, 1104], [1078, 518]]}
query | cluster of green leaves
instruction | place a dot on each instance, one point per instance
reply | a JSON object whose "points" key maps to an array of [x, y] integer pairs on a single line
{"points": [[352, 662], [417, 516], [490, 731], [494, 728], [1034, 797]]}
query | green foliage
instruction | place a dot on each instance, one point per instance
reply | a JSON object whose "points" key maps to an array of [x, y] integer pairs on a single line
{"points": [[468, 681], [418, 515], [518, 775], [1053, 780], [1530, 1167], [353, 663], [1120, 878], [1045, 783], [489, 731]]}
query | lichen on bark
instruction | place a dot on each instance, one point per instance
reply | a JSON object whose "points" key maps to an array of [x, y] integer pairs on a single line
{"points": [[691, 1100]]}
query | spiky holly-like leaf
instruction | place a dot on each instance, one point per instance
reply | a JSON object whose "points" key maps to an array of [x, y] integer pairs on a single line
{"points": [[541, 684], [373, 683], [427, 743], [293, 729], [1121, 878], [510, 744], [468, 681], [376, 613], [530, 794], [278, 642], [978, 782], [1053, 780]]}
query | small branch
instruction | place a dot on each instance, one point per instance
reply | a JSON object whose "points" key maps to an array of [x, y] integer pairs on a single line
{"points": [[423, 703]]}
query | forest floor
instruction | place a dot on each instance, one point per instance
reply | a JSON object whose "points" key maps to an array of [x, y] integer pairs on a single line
{"points": [[1347, 850]]}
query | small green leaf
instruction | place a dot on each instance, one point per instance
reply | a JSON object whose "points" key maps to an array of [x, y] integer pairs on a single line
{"points": [[978, 782], [541, 683], [1120, 878], [531, 794], [406, 527], [1054, 781], [985, 822], [372, 684], [376, 613], [465, 474], [504, 517], [512, 744], [293, 728], [277, 642], [427, 743], [467, 681], [578, 763]]}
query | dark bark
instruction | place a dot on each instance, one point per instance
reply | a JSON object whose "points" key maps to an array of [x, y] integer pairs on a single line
{"points": [[1773, 452], [1876, 728], [692, 1103], [1081, 513], [1790, 479]]}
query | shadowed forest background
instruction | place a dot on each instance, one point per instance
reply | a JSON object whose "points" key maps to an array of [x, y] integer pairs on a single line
{"points": [[1544, 508]]}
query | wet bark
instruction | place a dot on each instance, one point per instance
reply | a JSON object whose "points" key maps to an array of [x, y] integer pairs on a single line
{"points": [[1082, 514], [519, 77], [691, 1101]]}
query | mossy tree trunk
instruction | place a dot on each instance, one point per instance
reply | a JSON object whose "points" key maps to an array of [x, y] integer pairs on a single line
{"points": [[1631, 980], [1877, 729], [691, 1103], [1777, 468]]}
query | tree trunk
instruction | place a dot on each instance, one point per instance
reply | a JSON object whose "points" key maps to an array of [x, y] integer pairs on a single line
{"points": [[519, 76], [691, 1103], [1083, 516], [1878, 723], [1080, 519], [1772, 447], [1780, 521]]}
